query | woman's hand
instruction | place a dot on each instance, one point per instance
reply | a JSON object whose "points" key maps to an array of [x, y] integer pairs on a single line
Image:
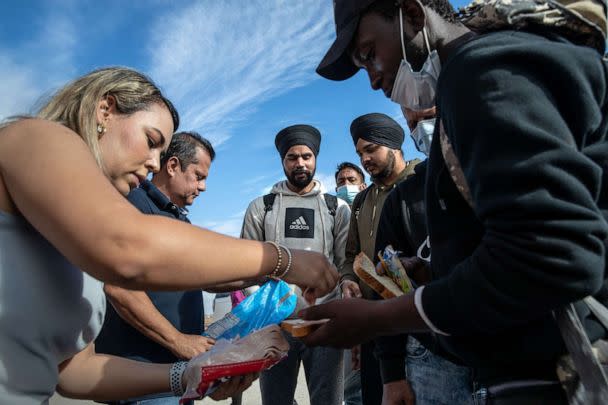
{"points": [[312, 272]]}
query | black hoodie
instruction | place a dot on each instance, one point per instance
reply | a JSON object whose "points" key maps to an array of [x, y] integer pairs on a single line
{"points": [[525, 117]]}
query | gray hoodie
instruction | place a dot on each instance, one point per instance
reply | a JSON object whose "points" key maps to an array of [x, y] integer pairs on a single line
{"points": [[300, 222]]}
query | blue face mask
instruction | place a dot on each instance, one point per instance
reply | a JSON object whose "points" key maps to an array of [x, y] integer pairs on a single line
{"points": [[347, 192], [423, 135]]}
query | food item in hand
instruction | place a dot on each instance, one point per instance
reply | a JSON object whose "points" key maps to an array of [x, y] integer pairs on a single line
{"points": [[383, 285], [253, 353], [392, 267], [301, 327]]}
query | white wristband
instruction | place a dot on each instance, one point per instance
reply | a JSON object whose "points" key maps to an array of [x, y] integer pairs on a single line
{"points": [[418, 304], [175, 377]]}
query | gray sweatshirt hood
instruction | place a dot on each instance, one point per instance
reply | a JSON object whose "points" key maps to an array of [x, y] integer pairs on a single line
{"points": [[282, 188]]}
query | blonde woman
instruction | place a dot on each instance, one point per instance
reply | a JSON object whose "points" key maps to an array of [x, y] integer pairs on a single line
{"points": [[65, 227]]}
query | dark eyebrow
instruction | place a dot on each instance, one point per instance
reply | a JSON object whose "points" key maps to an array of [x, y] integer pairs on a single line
{"points": [[297, 155], [162, 137]]}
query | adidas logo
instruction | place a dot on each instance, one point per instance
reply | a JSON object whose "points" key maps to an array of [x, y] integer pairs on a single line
{"points": [[299, 224]]}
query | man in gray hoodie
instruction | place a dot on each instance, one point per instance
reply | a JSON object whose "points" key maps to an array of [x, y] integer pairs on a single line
{"points": [[300, 215]]}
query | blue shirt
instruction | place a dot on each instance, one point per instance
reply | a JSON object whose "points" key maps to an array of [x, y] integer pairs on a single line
{"points": [[182, 309]]}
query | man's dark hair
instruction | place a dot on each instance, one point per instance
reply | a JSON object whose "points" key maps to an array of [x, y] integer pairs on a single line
{"points": [[388, 9], [183, 146], [349, 165]]}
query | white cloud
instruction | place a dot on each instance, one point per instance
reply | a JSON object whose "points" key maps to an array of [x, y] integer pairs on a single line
{"points": [[328, 181], [30, 70], [18, 82], [220, 60], [229, 226], [60, 39]]}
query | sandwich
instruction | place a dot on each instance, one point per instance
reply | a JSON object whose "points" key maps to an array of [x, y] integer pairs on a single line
{"points": [[383, 285]]}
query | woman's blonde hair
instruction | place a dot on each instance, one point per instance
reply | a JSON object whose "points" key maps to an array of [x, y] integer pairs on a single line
{"points": [[75, 104]]}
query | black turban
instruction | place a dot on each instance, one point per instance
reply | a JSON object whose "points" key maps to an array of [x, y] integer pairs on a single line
{"points": [[379, 129], [298, 135]]}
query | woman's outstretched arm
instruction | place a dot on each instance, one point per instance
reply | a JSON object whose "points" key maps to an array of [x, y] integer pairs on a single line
{"points": [[49, 176]]}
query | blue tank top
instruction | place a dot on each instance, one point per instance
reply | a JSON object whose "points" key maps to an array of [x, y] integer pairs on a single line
{"points": [[49, 311]]}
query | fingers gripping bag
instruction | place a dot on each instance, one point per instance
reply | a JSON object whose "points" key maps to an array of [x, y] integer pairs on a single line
{"points": [[255, 352], [270, 304], [248, 340]]}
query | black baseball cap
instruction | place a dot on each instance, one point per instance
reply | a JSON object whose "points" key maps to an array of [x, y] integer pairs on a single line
{"points": [[337, 65]]}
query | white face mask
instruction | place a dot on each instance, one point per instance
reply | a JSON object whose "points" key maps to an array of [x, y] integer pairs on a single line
{"points": [[423, 135], [416, 90]]}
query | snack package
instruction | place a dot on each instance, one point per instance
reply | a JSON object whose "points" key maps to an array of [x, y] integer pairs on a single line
{"points": [[255, 352], [391, 267], [270, 304]]}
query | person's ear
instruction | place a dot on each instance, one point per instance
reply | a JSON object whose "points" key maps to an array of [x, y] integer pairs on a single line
{"points": [[105, 108], [172, 166], [362, 186], [413, 15]]}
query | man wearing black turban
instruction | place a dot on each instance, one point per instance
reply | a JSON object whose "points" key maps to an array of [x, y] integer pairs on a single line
{"points": [[380, 133], [298, 214], [378, 139], [306, 140]]}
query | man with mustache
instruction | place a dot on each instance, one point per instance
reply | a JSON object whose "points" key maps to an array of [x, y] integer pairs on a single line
{"points": [[378, 140], [162, 327], [298, 214]]}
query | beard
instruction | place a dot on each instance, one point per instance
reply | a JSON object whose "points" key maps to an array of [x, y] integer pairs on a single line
{"points": [[416, 53], [301, 182], [386, 171]]}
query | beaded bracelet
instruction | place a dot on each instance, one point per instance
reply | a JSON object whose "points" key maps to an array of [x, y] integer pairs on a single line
{"points": [[288, 262], [274, 273], [175, 377]]}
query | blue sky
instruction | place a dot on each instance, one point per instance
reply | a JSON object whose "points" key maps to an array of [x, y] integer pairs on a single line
{"points": [[238, 71]]}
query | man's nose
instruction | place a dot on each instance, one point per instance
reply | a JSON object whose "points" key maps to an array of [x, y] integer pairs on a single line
{"points": [[375, 79]]}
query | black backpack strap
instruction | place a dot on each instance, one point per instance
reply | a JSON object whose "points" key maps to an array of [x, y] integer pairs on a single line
{"points": [[268, 203], [332, 203]]}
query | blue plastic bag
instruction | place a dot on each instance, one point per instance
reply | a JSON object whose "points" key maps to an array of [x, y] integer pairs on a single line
{"points": [[270, 304]]}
